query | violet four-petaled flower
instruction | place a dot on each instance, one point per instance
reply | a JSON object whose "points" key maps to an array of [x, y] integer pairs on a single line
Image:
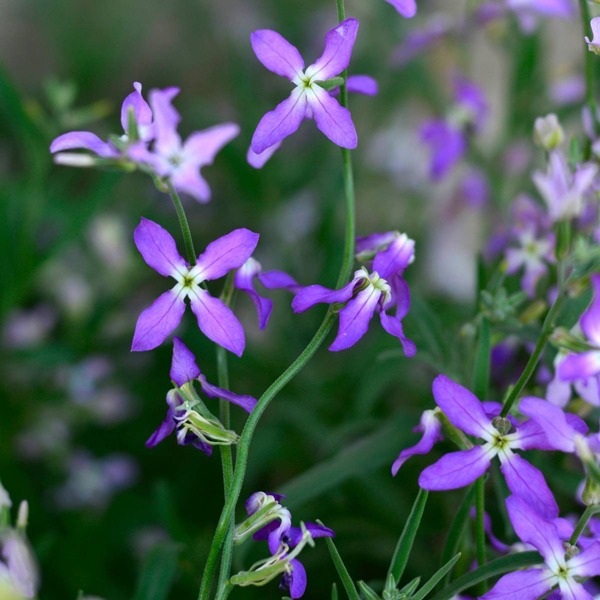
{"points": [[215, 319], [308, 99]]}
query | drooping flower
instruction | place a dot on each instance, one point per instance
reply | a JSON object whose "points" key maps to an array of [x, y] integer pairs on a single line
{"points": [[308, 99], [561, 565], [457, 469], [377, 291], [594, 43], [179, 161], [215, 319], [186, 414]]}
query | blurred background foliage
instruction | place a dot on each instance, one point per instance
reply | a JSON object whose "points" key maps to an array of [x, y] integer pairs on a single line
{"points": [[77, 406]]}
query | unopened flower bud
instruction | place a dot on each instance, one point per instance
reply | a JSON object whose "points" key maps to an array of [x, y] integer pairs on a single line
{"points": [[75, 159], [502, 425], [591, 492], [23, 515], [547, 132]]}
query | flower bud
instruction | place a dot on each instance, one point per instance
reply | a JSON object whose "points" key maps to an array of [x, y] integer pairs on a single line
{"points": [[547, 132]]}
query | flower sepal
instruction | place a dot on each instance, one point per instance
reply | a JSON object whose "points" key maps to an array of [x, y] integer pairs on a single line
{"points": [[270, 510], [563, 339]]}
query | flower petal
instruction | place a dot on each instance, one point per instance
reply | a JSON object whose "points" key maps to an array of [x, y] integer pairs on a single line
{"points": [[431, 427], [317, 294], [202, 146], [243, 281], [157, 321], [183, 364], [212, 391], [164, 430], [393, 326], [339, 42], [332, 119], [355, 318], [276, 53], [258, 161], [590, 320], [447, 143], [552, 420], [142, 113], [407, 8], [587, 562], [395, 258], [228, 252], [274, 280], [158, 248], [362, 84], [166, 119], [528, 483], [529, 584], [461, 406], [187, 180], [277, 124], [217, 322], [579, 366], [84, 140], [297, 579], [455, 470]]}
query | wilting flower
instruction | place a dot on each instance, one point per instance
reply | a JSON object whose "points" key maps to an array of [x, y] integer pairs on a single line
{"points": [[561, 566], [215, 319], [187, 415], [457, 469], [308, 99]]}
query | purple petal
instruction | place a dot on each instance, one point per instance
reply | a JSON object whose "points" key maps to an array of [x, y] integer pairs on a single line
{"points": [[455, 470], [280, 122], [276, 53], [579, 366], [527, 482], [317, 294], [228, 252], [212, 391], [461, 406], [157, 321], [183, 365], [529, 584], [590, 320], [243, 280], [393, 326], [587, 563], [374, 242], [142, 113], [294, 534], [258, 161], [558, 392], [217, 322], [202, 146], [166, 119], [531, 435], [84, 140], [187, 180], [362, 84], [395, 258], [158, 248], [533, 529], [552, 420], [400, 296], [572, 590], [296, 580], [355, 318], [338, 50], [589, 390], [331, 118], [448, 146], [431, 427], [274, 280], [407, 8], [164, 430]]}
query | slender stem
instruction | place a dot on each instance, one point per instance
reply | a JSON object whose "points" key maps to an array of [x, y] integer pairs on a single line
{"points": [[340, 10], [589, 512], [480, 527], [183, 223], [589, 65]]}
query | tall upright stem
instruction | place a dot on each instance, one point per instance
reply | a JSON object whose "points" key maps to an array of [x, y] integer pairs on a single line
{"points": [[183, 223]]}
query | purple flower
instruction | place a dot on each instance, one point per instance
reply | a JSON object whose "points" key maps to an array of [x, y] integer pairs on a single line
{"points": [[586, 364], [407, 8], [559, 392], [174, 159], [187, 414], [308, 99], [135, 106], [594, 43], [19, 576], [457, 469], [367, 293], [215, 319], [560, 567], [528, 12]]}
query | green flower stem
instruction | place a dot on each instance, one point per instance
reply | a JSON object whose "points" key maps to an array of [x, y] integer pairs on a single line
{"points": [[589, 512], [183, 223], [480, 528], [589, 64]]}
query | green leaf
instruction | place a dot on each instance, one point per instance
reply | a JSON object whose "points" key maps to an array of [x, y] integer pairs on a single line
{"points": [[499, 566], [459, 524], [334, 592], [158, 572], [435, 578], [367, 592], [407, 536], [409, 589], [341, 569], [481, 369]]}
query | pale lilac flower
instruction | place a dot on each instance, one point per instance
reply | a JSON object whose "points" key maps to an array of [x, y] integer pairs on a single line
{"points": [[193, 427], [528, 12], [586, 364], [419, 40], [564, 192], [431, 426], [457, 469], [559, 392], [179, 161], [407, 8], [308, 99], [134, 105], [367, 293], [215, 319], [594, 43], [560, 566], [19, 577]]}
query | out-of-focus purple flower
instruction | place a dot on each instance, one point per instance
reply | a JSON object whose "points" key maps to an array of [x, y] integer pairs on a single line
{"points": [[567, 90], [133, 106], [528, 12], [586, 364], [19, 577], [244, 281], [407, 8], [474, 189], [457, 469], [419, 40], [560, 566], [28, 328], [367, 293], [308, 99], [594, 43], [186, 414], [215, 319], [179, 161], [431, 426], [564, 192], [559, 392]]}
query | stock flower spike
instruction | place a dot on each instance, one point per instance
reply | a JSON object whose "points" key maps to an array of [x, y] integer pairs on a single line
{"points": [[560, 567], [308, 99], [457, 469], [215, 319]]}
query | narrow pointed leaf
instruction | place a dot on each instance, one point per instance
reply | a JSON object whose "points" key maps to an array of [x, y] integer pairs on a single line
{"points": [[158, 573], [409, 589], [459, 525], [334, 592], [367, 592], [407, 537], [341, 569], [435, 578]]}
